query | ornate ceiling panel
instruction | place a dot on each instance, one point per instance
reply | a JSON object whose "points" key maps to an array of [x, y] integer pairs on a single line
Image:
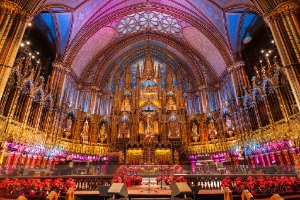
{"points": [[206, 48], [88, 51], [149, 20], [69, 3]]}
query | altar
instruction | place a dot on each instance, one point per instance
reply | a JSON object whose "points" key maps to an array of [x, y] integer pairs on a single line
{"points": [[148, 156]]}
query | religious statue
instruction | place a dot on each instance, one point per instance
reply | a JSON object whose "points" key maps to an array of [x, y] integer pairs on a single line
{"points": [[85, 132], [155, 124], [212, 130], [176, 157], [123, 130], [102, 131], [171, 105], [126, 104], [229, 126], [141, 127], [68, 128], [121, 157], [194, 129], [173, 129]]}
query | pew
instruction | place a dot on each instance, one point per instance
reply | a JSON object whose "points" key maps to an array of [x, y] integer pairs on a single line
{"points": [[52, 196], [246, 195], [276, 197], [227, 194], [22, 198], [70, 194]]}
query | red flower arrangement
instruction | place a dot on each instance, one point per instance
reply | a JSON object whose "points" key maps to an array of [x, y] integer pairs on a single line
{"points": [[70, 183], [180, 179], [262, 184], [36, 185], [116, 179]]}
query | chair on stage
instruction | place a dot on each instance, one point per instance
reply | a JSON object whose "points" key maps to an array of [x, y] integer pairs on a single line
{"points": [[103, 191], [220, 168], [246, 195], [227, 194], [276, 197]]}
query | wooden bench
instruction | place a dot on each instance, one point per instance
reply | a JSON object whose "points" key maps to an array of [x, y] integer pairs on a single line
{"points": [[52, 196], [246, 195], [70, 194], [227, 194]]}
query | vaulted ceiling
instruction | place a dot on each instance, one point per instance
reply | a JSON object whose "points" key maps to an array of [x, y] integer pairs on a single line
{"points": [[206, 35]]}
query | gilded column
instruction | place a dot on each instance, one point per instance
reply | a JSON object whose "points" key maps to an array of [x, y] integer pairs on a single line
{"points": [[13, 23], [282, 19]]}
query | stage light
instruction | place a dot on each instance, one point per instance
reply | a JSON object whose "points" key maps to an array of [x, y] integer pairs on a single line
{"points": [[260, 61], [33, 56], [262, 51], [27, 42], [30, 54], [272, 41], [118, 189], [180, 188], [29, 24], [267, 54], [22, 44]]}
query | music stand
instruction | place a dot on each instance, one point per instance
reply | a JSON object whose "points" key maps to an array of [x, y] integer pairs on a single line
{"points": [[195, 189], [162, 182], [103, 191], [148, 189]]}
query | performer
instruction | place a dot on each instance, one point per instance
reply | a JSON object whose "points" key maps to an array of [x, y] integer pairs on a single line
{"points": [[242, 159]]}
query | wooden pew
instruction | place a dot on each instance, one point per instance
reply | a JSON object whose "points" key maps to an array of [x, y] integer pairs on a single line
{"points": [[52, 196], [227, 194], [70, 194], [246, 195], [22, 198], [276, 197]]}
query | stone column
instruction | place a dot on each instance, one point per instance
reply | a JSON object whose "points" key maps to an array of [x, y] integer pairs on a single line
{"points": [[13, 22], [238, 77]]}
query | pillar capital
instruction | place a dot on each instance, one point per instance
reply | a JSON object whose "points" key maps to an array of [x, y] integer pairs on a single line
{"points": [[61, 66], [236, 65], [15, 10], [282, 9]]}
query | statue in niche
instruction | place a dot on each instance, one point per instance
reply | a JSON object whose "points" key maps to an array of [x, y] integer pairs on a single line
{"points": [[102, 131], [155, 124], [173, 129], [126, 104], [85, 132], [121, 157], [68, 128], [123, 130], [212, 130], [229, 126], [194, 129], [171, 105], [141, 127], [176, 157]]}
